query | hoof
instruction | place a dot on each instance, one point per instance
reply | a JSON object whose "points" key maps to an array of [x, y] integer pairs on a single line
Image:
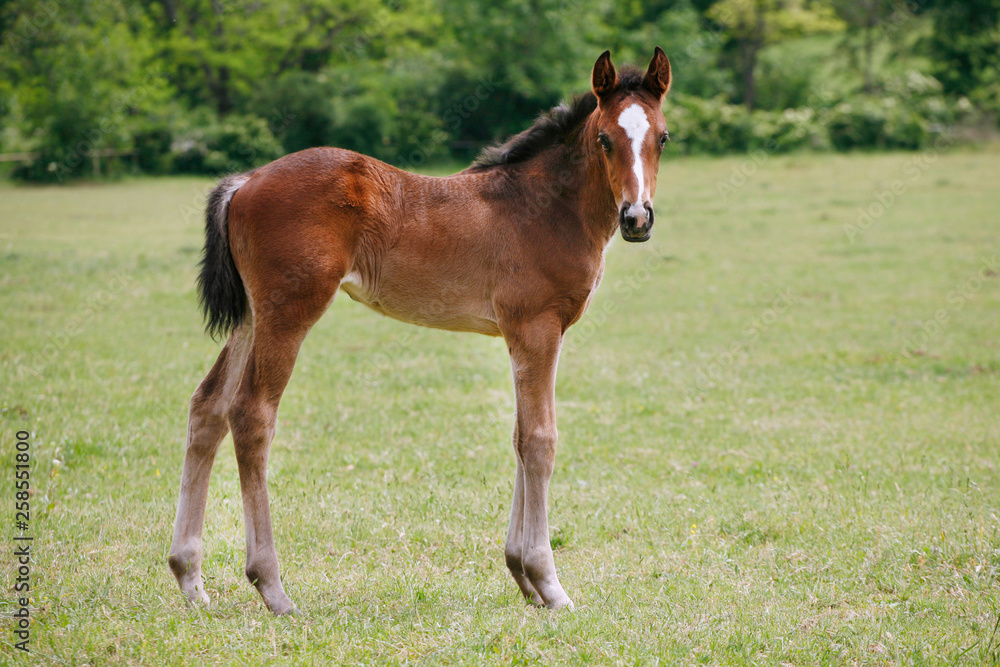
{"points": [[194, 592], [292, 610], [188, 577], [198, 599], [283, 608], [561, 603]]}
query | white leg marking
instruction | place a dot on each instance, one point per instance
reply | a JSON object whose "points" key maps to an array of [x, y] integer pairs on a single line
{"points": [[633, 120]]}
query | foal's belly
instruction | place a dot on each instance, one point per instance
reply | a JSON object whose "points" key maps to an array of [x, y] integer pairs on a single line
{"points": [[434, 305]]}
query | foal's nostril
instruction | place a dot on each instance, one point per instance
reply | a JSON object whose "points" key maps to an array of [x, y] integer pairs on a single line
{"points": [[649, 216], [625, 218]]}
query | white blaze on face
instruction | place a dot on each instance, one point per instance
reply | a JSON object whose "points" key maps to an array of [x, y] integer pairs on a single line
{"points": [[633, 120]]}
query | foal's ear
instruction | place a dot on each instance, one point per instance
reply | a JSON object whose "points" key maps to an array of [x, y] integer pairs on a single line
{"points": [[605, 78], [657, 79]]}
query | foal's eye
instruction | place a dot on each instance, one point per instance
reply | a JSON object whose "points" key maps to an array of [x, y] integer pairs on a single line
{"points": [[664, 139], [605, 143]]}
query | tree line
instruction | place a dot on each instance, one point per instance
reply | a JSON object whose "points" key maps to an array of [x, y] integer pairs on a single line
{"points": [[208, 86]]}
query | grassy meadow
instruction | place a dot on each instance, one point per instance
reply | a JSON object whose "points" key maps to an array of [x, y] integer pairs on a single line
{"points": [[779, 438]]}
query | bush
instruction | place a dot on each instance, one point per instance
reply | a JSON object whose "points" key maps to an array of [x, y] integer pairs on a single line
{"points": [[868, 122], [421, 138], [151, 142], [232, 144], [363, 123], [784, 80], [65, 144], [987, 100], [358, 108], [712, 126], [303, 101], [788, 130], [856, 125], [708, 126], [913, 85]]}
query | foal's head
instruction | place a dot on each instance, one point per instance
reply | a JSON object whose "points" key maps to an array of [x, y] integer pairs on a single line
{"points": [[631, 132]]}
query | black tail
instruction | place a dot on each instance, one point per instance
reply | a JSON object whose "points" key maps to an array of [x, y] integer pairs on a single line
{"points": [[220, 288]]}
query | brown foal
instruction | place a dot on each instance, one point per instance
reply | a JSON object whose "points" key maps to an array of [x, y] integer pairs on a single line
{"points": [[513, 246]]}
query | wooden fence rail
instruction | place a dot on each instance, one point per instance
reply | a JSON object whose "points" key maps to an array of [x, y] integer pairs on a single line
{"points": [[95, 156]]}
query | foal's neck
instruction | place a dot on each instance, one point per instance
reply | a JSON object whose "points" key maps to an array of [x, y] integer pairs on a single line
{"points": [[573, 177]]}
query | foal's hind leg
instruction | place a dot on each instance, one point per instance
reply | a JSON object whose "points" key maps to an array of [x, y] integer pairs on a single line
{"points": [[278, 333], [253, 419], [207, 426], [534, 352]]}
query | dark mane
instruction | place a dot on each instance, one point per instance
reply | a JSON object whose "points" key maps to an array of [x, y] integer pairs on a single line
{"points": [[557, 126]]}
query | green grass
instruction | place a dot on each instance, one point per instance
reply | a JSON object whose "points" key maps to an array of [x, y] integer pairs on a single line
{"points": [[734, 484]]}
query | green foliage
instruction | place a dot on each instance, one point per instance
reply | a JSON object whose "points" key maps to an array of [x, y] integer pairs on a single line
{"points": [[868, 122], [753, 24], [708, 126], [506, 61], [789, 130], [860, 122], [416, 81], [987, 99], [790, 74], [221, 146], [768, 21], [396, 120], [864, 19], [80, 75], [306, 99], [966, 44], [219, 52], [784, 85], [676, 26], [152, 141], [716, 127]]}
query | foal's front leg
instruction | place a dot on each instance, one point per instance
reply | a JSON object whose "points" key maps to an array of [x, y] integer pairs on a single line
{"points": [[515, 532], [534, 351]]}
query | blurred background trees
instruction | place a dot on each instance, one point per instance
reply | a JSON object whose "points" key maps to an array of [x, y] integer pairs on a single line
{"points": [[753, 24], [209, 86]]}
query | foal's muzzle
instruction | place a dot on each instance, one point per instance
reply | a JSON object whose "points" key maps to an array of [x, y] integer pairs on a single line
{"points": [[635, 221]]}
